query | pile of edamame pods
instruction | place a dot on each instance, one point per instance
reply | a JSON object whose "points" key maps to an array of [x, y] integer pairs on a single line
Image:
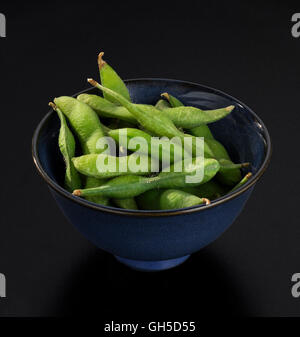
{"points": [[86, 119]]}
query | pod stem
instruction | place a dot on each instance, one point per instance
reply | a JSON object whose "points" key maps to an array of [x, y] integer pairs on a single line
{"points": [[229, 108], [165, 95], [77, 193], [93, 82], [207, 201], [242, 182], [101, 62], [122, 100], [232, 166], [53, 106]]}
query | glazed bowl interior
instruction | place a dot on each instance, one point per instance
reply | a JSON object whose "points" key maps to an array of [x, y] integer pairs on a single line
{"points": [[242, 132]]}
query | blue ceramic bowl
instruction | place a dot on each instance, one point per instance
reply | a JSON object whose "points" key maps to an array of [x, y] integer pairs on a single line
{"points": [[157, 240]]}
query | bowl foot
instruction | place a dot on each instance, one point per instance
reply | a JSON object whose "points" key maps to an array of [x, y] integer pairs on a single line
{"points": [[152, 265]]}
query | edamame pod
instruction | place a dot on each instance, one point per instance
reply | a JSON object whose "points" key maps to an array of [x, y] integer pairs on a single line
{"points": [[105, 108], [170, 178], [211, 190], [174, 102], [189, 117], [162, 104], [158, 199], [92, 182], [199, 131], [132, 185], [242, 182], [218, 149], [226, 177], [88, 128], [229, 173], [174, 199], [84, 122], [150, 200], [66, 143], [227, 165], [128, 203], [202, 131], [110, 79], [104, 166]]}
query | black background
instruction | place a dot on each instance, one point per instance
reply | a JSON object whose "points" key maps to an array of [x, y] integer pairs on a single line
{"points": [[244, 49]]}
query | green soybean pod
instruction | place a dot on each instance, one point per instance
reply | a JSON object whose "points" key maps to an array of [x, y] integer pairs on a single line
{"points": [[152, 119], [121, 187], [162, 104], [86, 124], [199, 131], [150, 200], [242, 182], [230, 173], [92, 165], [174, 102], [174, 199], [227, 178], [170, 178], [128, 203], [92, 182], [107, 109], [132, 185], [83, 120], [211, 190], [202, 131], [118, 124], [218, 149], [189, 117], [220, 152], [228, 165], [110, 79], [66, 143]]}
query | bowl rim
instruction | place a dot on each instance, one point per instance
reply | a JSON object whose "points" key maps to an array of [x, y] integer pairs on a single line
{"points": [[157, 213]]}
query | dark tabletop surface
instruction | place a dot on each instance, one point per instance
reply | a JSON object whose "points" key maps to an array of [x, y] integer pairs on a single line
{"points": [[246, 50]]}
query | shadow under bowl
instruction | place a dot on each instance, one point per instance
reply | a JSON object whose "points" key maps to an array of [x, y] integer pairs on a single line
{"points": [[158, 240]]}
